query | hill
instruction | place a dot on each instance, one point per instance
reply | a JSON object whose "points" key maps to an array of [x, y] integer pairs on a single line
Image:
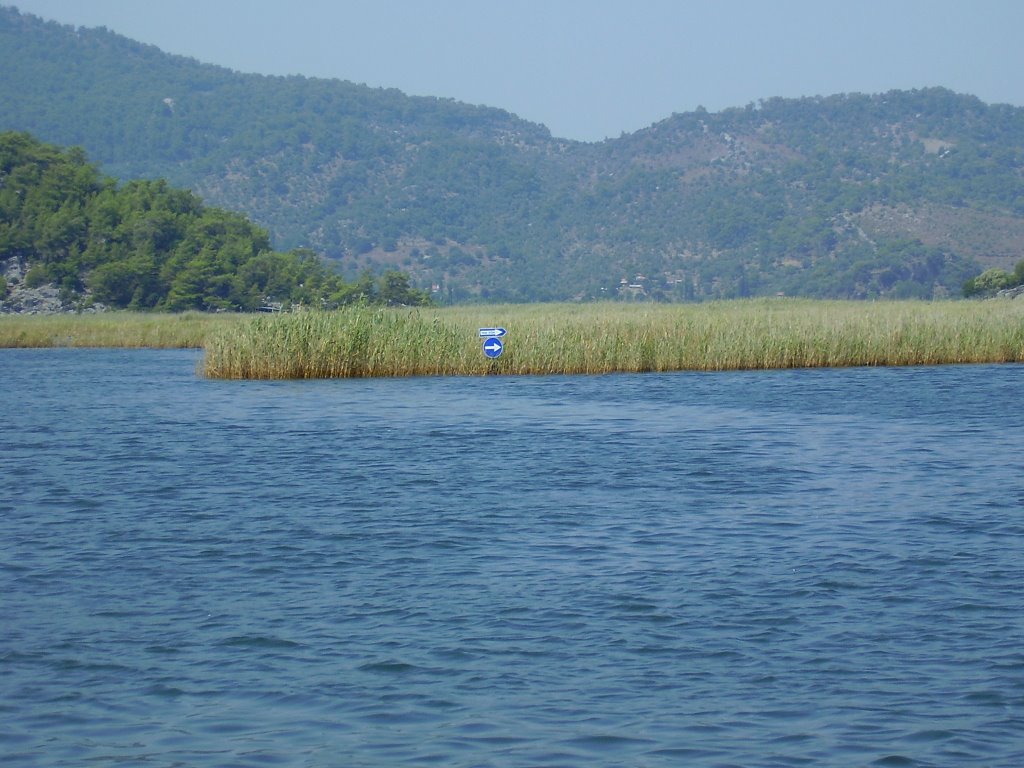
{"points": [[899, 194], [70, 237]]}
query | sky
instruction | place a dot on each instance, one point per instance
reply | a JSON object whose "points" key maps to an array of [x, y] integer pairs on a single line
{"points": [[590, 69]]}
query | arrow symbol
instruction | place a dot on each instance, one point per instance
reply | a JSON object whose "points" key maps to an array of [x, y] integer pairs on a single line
{"points": [[493, 331], [493, 348]]}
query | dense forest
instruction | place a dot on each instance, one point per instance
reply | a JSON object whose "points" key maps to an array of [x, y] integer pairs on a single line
{"points": [[146, 245], [902, 194]]}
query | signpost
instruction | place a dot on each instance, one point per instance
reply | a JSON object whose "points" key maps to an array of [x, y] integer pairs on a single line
{"points": [[493, 347]]}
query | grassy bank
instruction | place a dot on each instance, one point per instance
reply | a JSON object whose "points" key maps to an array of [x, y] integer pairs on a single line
{"points": [[600, 338], [114, 329]]}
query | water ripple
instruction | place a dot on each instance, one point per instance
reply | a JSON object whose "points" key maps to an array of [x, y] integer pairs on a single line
{"points": [[767, 568]]}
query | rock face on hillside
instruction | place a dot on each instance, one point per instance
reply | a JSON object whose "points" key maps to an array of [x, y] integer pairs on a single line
{"points": [[1017, 292], [41, 300]]}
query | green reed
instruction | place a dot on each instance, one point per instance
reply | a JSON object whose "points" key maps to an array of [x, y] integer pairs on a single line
{"points": [[604, 338]]}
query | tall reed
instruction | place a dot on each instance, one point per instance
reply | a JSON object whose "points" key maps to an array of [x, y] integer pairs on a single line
{"points": [[602, 338]]}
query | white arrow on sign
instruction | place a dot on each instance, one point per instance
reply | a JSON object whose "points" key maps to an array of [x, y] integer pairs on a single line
{"points": [[492, 332], [493, 348]]}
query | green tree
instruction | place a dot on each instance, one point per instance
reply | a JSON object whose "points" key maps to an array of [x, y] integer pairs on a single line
{"points": [[395, 291], [189, 287], [988, 282]]}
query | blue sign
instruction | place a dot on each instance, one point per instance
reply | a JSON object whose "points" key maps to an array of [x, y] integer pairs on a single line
{"points": [[493, 348], [493, 332]]}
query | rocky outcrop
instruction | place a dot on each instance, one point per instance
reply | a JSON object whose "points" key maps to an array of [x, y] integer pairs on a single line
{"points": [[1017, 292], [19, 299]]}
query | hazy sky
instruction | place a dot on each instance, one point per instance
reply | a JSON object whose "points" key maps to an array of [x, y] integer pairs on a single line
{"points": [[591, 69]]}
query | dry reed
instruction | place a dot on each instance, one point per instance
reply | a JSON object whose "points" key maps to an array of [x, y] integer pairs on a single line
{"points": [[113, 329]]}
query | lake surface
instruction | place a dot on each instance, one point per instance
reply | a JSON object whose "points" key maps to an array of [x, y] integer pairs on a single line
{"points": [[771, 568]]}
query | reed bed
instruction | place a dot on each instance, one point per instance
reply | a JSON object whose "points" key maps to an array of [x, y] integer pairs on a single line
{"points": [[604, 338], [114, 329]]}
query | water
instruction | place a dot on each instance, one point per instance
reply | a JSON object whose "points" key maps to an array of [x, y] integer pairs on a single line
{"points": [[765, 568]]}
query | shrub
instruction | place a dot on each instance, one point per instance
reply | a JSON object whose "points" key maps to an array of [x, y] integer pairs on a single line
{"points": [[988, 282], [37, 276]]}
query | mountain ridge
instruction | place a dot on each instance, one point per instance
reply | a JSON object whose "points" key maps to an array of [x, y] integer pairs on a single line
{"points": [[906, 193]]}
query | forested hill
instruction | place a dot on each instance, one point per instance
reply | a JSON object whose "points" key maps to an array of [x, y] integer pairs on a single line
{"points": [[146, 245], [897, 194]]}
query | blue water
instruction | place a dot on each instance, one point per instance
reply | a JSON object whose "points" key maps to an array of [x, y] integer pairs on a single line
{"points": [[733, 569]]}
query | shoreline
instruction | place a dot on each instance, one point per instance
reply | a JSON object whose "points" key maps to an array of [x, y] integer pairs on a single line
{"points": [[112, 328]]}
